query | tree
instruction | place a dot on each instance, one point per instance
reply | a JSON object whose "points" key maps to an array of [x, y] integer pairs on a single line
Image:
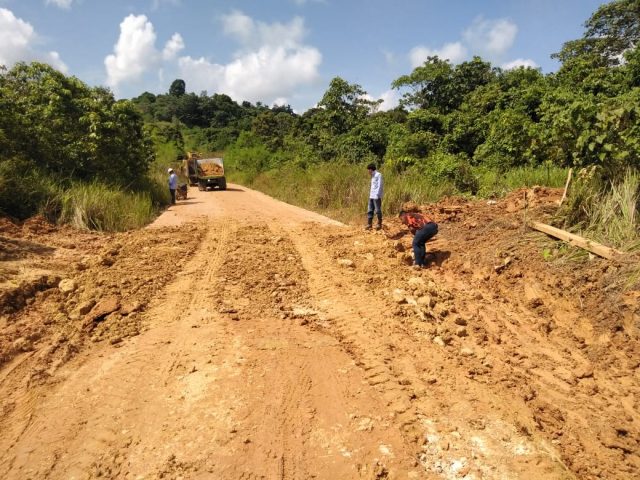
{"points": [[612, 30], [70, 129], [509, 140], [632, 67], [345, 105], [272, 128], [430, 85], [178, 88], [437, 84]]}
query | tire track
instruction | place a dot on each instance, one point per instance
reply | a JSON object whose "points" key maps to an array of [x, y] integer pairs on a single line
{"points": [[127, 379], [408, 371]]}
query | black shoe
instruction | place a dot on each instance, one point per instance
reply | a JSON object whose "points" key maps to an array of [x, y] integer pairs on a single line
{"points": [[379, 226]]}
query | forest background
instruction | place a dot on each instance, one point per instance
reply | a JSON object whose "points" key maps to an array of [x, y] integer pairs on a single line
{"points": [[76, 155]]}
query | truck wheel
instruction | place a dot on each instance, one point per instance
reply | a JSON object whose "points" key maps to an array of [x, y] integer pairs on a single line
{"points": [[223, 184]]}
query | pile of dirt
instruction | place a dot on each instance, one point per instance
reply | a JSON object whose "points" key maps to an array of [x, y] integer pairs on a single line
{"points": [[61, 287], [513, 308]]}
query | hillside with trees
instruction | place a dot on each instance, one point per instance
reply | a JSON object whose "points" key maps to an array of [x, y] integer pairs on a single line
{"points": [[470, 129]]}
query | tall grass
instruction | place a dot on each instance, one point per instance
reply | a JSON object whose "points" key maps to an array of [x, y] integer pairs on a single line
{"points": [[95, 206], [496, 183], [606, 212], [341, 190], [26, 190]]}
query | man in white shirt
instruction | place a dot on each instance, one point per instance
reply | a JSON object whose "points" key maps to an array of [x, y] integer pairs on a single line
{"points": [[375, 197], [173, 185]]}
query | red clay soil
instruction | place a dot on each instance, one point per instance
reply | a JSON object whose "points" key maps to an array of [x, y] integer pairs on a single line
{"points": [[241, 337]]}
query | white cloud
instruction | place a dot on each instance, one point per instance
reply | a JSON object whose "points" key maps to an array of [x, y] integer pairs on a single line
{"points": [[173, 47], [252, 34], [271, 64], [261, 75], [17, 40], [490, 37], [134, 53], [454, 52], [519, 62], [53, 59], [238, 25], [390, 100], [272, 61], [66, 4]]}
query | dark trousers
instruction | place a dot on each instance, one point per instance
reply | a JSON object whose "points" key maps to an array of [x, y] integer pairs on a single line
{"points": [[375, 204], [419, 239], [173, 195]]}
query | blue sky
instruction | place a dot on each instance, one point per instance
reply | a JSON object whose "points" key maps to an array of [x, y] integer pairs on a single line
{"points": [[282, 51]]}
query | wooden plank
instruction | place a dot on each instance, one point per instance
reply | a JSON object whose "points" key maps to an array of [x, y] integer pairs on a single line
{"points": [[576, 240]]}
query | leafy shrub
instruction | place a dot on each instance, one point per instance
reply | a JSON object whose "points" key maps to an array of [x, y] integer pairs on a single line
{"points": [[25, 189]]}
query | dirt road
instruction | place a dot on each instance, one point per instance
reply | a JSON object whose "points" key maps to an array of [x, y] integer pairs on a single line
{"points": [[287, 346]]}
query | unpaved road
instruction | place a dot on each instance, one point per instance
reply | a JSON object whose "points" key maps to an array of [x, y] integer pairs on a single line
{"points": [[282, 350]]}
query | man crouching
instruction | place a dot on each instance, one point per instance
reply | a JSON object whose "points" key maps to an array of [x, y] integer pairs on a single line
{"points": [[423, 228]]}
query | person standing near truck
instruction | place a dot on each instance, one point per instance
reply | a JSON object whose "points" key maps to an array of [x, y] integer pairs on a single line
{"points": [[375, 197], [173, 185], [423, 228]]}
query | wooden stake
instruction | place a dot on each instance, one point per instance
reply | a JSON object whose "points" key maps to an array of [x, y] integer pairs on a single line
{"points": [[578, 241], [566, 186]]}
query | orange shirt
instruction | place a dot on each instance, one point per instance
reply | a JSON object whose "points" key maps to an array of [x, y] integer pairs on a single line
{"points": [[415, 221]]}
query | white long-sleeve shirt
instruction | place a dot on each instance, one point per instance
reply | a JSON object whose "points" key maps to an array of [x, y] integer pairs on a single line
{"points": [[376, 185], [173, 181]]}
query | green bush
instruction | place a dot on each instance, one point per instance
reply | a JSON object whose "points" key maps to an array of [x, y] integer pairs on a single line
{"points": [[25, 189]]}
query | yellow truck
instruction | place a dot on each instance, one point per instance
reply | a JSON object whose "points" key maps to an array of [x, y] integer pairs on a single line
{"points": [[210, 173]]}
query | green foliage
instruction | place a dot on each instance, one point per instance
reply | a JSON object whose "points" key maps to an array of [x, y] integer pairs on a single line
{"points": [[178, 88], [632, 67], [583, 130], [73, 153], [343, 106], [69, 129], [606, 211], [612, 30], [24, 188], [509, 141], [439, 85], [95, 206]]}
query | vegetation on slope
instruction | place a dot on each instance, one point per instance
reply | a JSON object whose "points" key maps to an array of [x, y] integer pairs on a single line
{"points": [[73, 152], [471, 129]]}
